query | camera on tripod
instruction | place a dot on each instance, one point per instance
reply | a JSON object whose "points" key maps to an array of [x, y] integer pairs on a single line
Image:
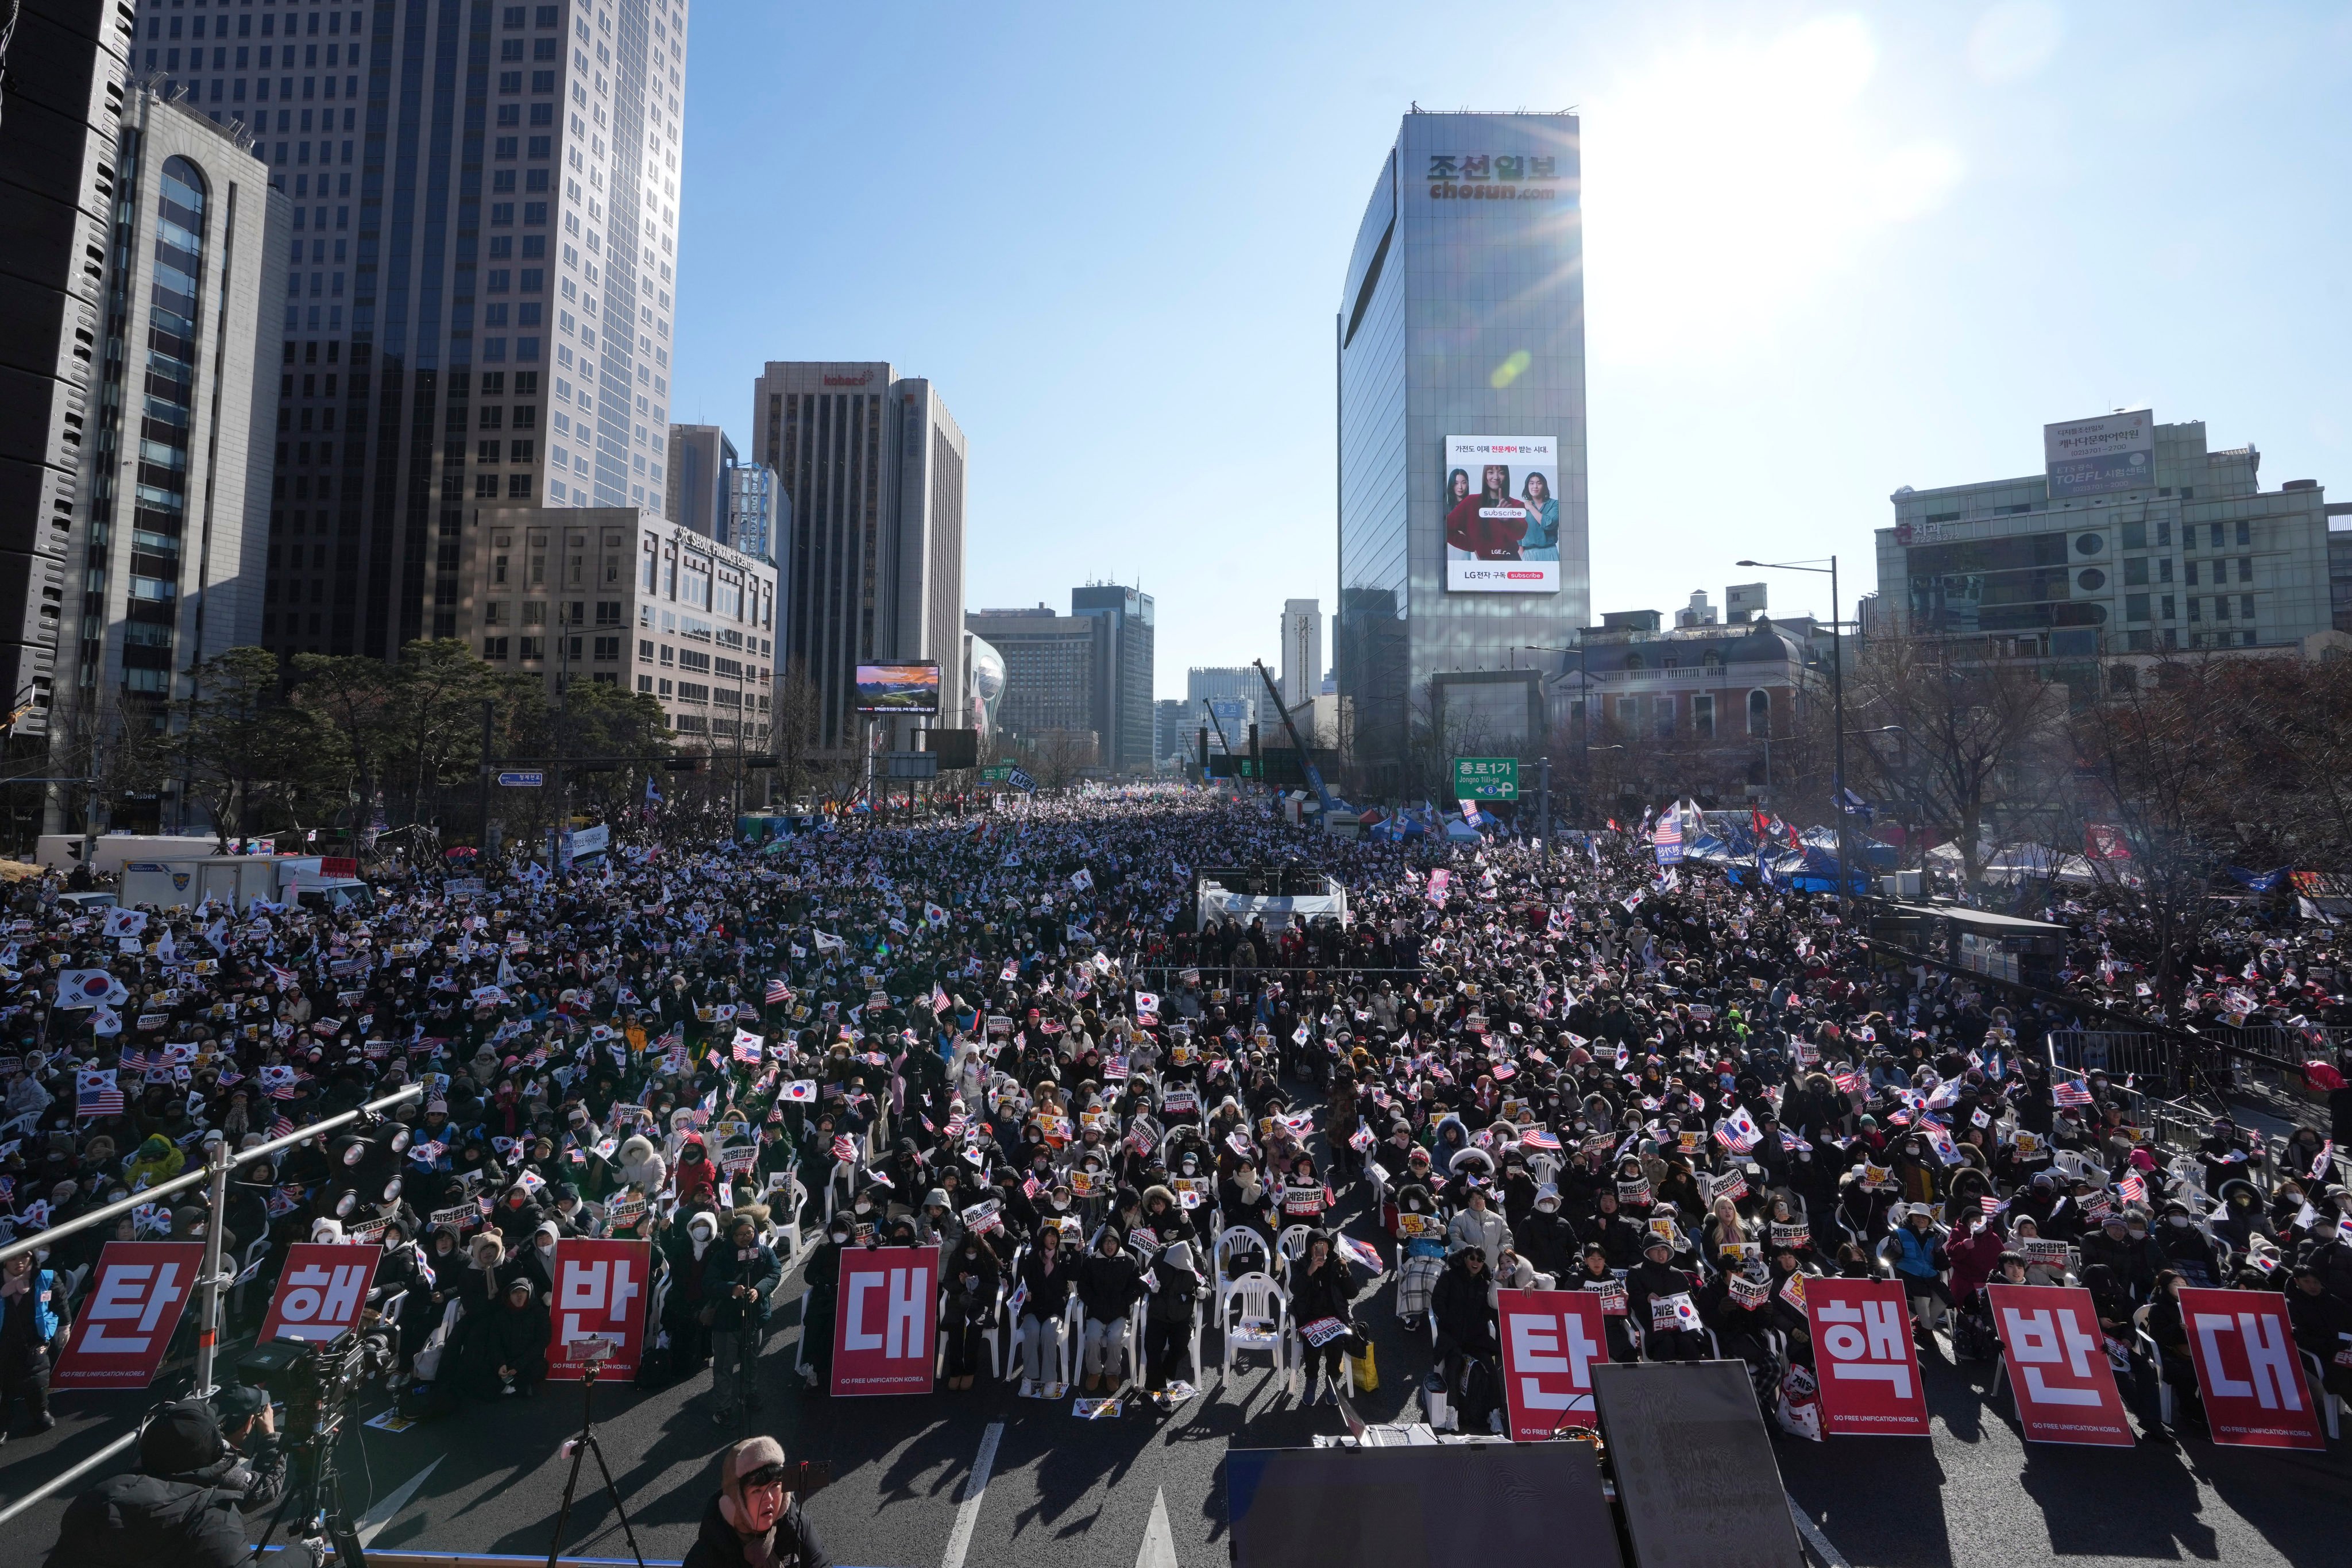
{"points": [[315, 1379]]}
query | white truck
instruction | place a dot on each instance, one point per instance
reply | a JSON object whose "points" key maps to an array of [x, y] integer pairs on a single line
{"points": [[184, 881]]}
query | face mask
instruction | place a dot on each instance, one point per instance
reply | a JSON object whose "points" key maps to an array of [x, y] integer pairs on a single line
{"points": [[2139, 1231], [2180, 1220], [864, 1207]]}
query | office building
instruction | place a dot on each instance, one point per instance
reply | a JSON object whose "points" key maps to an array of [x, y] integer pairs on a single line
{"points": [[2136, 538], [1460, 341], [872, 465], [1302, 650], [1743, 602], [701, 484], [758, 513], [479, 280], [1052, 665], [67, 73], [1174, 731], [172, 560], [1122, 685], [1211, 683], [622, 597], [984, 685]]}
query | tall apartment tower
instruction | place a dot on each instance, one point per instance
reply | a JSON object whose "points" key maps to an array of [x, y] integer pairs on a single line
{"points": [[172, 563], [1302, 651], [478, 281], [68, 67], [1123, 715], [701, 459], [872, 466]]}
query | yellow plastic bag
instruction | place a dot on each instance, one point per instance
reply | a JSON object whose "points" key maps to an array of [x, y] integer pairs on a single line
{"points": [[1366, 1371]]}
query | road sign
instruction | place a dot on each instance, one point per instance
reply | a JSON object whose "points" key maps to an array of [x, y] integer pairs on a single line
{"points": [[911, 764], [1486, 778], [996, 773], [522, 781]]}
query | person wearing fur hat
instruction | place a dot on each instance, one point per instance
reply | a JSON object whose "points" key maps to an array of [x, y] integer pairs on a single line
{"points": [[755, 1521]]}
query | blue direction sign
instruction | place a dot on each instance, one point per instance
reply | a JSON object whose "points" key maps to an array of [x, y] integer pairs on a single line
{"points": [[522, 781]]}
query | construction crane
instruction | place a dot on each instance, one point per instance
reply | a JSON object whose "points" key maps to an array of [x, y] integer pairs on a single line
{"points": [[1314, 775]]}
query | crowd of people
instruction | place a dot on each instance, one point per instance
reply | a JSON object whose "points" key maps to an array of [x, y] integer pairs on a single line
{"points": [[1009, 1035]]}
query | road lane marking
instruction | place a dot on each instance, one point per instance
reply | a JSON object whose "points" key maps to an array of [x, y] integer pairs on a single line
{"points": [[1158, 1541], [372, 1525], [974, 1488], [1828, 1554]]}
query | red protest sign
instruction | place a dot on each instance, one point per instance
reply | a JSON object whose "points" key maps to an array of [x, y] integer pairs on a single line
{"points": [[882, 1329], [2055, 1359], [136, 1296], [321, 1291], [2249, 1370], [1869, 1367], [1551, 1341], [599, 1293]]}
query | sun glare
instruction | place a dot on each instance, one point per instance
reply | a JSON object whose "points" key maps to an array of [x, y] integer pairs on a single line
{"points": [[1728, 179]]}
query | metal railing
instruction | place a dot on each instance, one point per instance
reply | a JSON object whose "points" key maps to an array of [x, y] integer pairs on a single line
{"points": [[211, 1283]]}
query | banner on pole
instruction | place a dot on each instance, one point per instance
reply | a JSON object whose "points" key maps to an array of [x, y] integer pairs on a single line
{"points": [[2249, 1370], [1869, 1366], [2056, 1360], [136, 1296], [1551, 1341], [888, 1299]]}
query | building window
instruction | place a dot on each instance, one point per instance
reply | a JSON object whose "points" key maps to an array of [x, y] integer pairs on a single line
{"points": [[1662, 717], [494, 648], [1759, 713], [1703, 717], [608, 649]]}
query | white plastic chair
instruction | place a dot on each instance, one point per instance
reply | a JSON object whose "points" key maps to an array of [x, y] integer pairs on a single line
{"points": [[1291, 1245], [1230, 1240], [2330, 1405], [1255, 1299]]}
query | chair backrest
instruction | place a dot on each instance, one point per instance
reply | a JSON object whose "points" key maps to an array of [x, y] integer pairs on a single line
{"points": [[1543, 1165], [1258, 1294], [1292, 1241], [1234, 1238]]}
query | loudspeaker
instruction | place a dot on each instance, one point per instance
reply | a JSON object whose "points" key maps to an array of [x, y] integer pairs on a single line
{"points": [[1696, 1474]]}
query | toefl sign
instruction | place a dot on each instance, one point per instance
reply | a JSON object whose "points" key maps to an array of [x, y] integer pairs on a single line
{"points": [[321, 1291], [1869, 1368], [599, 1293], [2055, 1358], [889, 1301], [2249, 1370], [136, 1296], [1551, 1341]]}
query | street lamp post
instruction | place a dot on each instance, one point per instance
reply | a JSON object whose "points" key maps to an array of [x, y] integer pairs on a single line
{"points": [[1584, 701], [1837, 699]]}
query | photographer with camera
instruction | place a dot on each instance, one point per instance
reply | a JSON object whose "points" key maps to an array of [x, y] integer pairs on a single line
{"points": [[736, 1281], [182, 1507], [249, 1427], [755, 1521]]}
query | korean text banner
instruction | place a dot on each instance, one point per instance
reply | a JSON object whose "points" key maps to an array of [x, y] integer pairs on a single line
{"points": [[1550, 1340], [897, 689], [321, 1291], [2249, 1370], [889, 1298], [134, 1302], [1869, 1367], [2093, 456], [1501, 510], [599, 1292], [2056, 1361]]}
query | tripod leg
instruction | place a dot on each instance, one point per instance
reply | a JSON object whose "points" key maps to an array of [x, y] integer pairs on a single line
{"points": [[613, 1490], [571, 1482]]}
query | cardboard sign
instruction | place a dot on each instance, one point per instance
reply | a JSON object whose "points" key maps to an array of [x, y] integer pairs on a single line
{"points": [[135, 1298], [2249, 1369], [882, 1332], [1869, 1367], [321, 1292], [599, 1293], [1551, 1341], [2056, 1363]]}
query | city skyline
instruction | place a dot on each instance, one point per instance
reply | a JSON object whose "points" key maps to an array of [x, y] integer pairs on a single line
{"points": [[1894, 288]]}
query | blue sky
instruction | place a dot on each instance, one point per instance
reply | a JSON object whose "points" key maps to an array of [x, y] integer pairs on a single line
{"points": [[1828, 252]]}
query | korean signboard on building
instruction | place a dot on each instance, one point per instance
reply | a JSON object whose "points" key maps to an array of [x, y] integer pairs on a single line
{"points": [[2093, 456], [1501, 513]]}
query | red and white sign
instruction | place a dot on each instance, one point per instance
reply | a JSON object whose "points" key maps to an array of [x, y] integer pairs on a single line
{"points": [[882, 1330], [1869, 1367], [321, 1292], [2249, 1368], [2056, 1360], [599, 1293], [135, 1299], [1551, 1341]]}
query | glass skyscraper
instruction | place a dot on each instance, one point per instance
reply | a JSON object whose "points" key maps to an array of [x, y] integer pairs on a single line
{"points": [[480, 282], [1460, 339]]}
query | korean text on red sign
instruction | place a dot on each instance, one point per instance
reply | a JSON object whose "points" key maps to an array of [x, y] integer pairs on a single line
{"points": [[321, 1291], [2056, 1363], [134, 1302], [599, 1293], [2249, 1369], [1869, 1367], [1551, 1341], [882, 1330]]}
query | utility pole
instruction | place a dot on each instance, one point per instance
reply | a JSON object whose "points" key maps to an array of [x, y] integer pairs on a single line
{"points": [[486, 765]]}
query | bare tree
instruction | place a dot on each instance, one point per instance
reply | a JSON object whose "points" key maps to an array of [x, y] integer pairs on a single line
{"points": [[794, 733]]}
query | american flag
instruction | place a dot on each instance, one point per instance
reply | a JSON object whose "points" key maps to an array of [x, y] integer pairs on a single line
{"points": [[282, 1126], [1539, 1138], [2133, 1188], [1114, 1069], [844, 1150], [97, 1094], [778, 992], [747, 1047], [1990, 1204], [2070, 1092], [1848, 1082]]}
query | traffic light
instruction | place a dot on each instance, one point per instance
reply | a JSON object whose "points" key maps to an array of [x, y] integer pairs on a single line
{"points": [[685, 765], [760, 760]]}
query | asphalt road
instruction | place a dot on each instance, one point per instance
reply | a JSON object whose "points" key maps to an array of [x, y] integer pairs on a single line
{"points": [[1145, 1489]]}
